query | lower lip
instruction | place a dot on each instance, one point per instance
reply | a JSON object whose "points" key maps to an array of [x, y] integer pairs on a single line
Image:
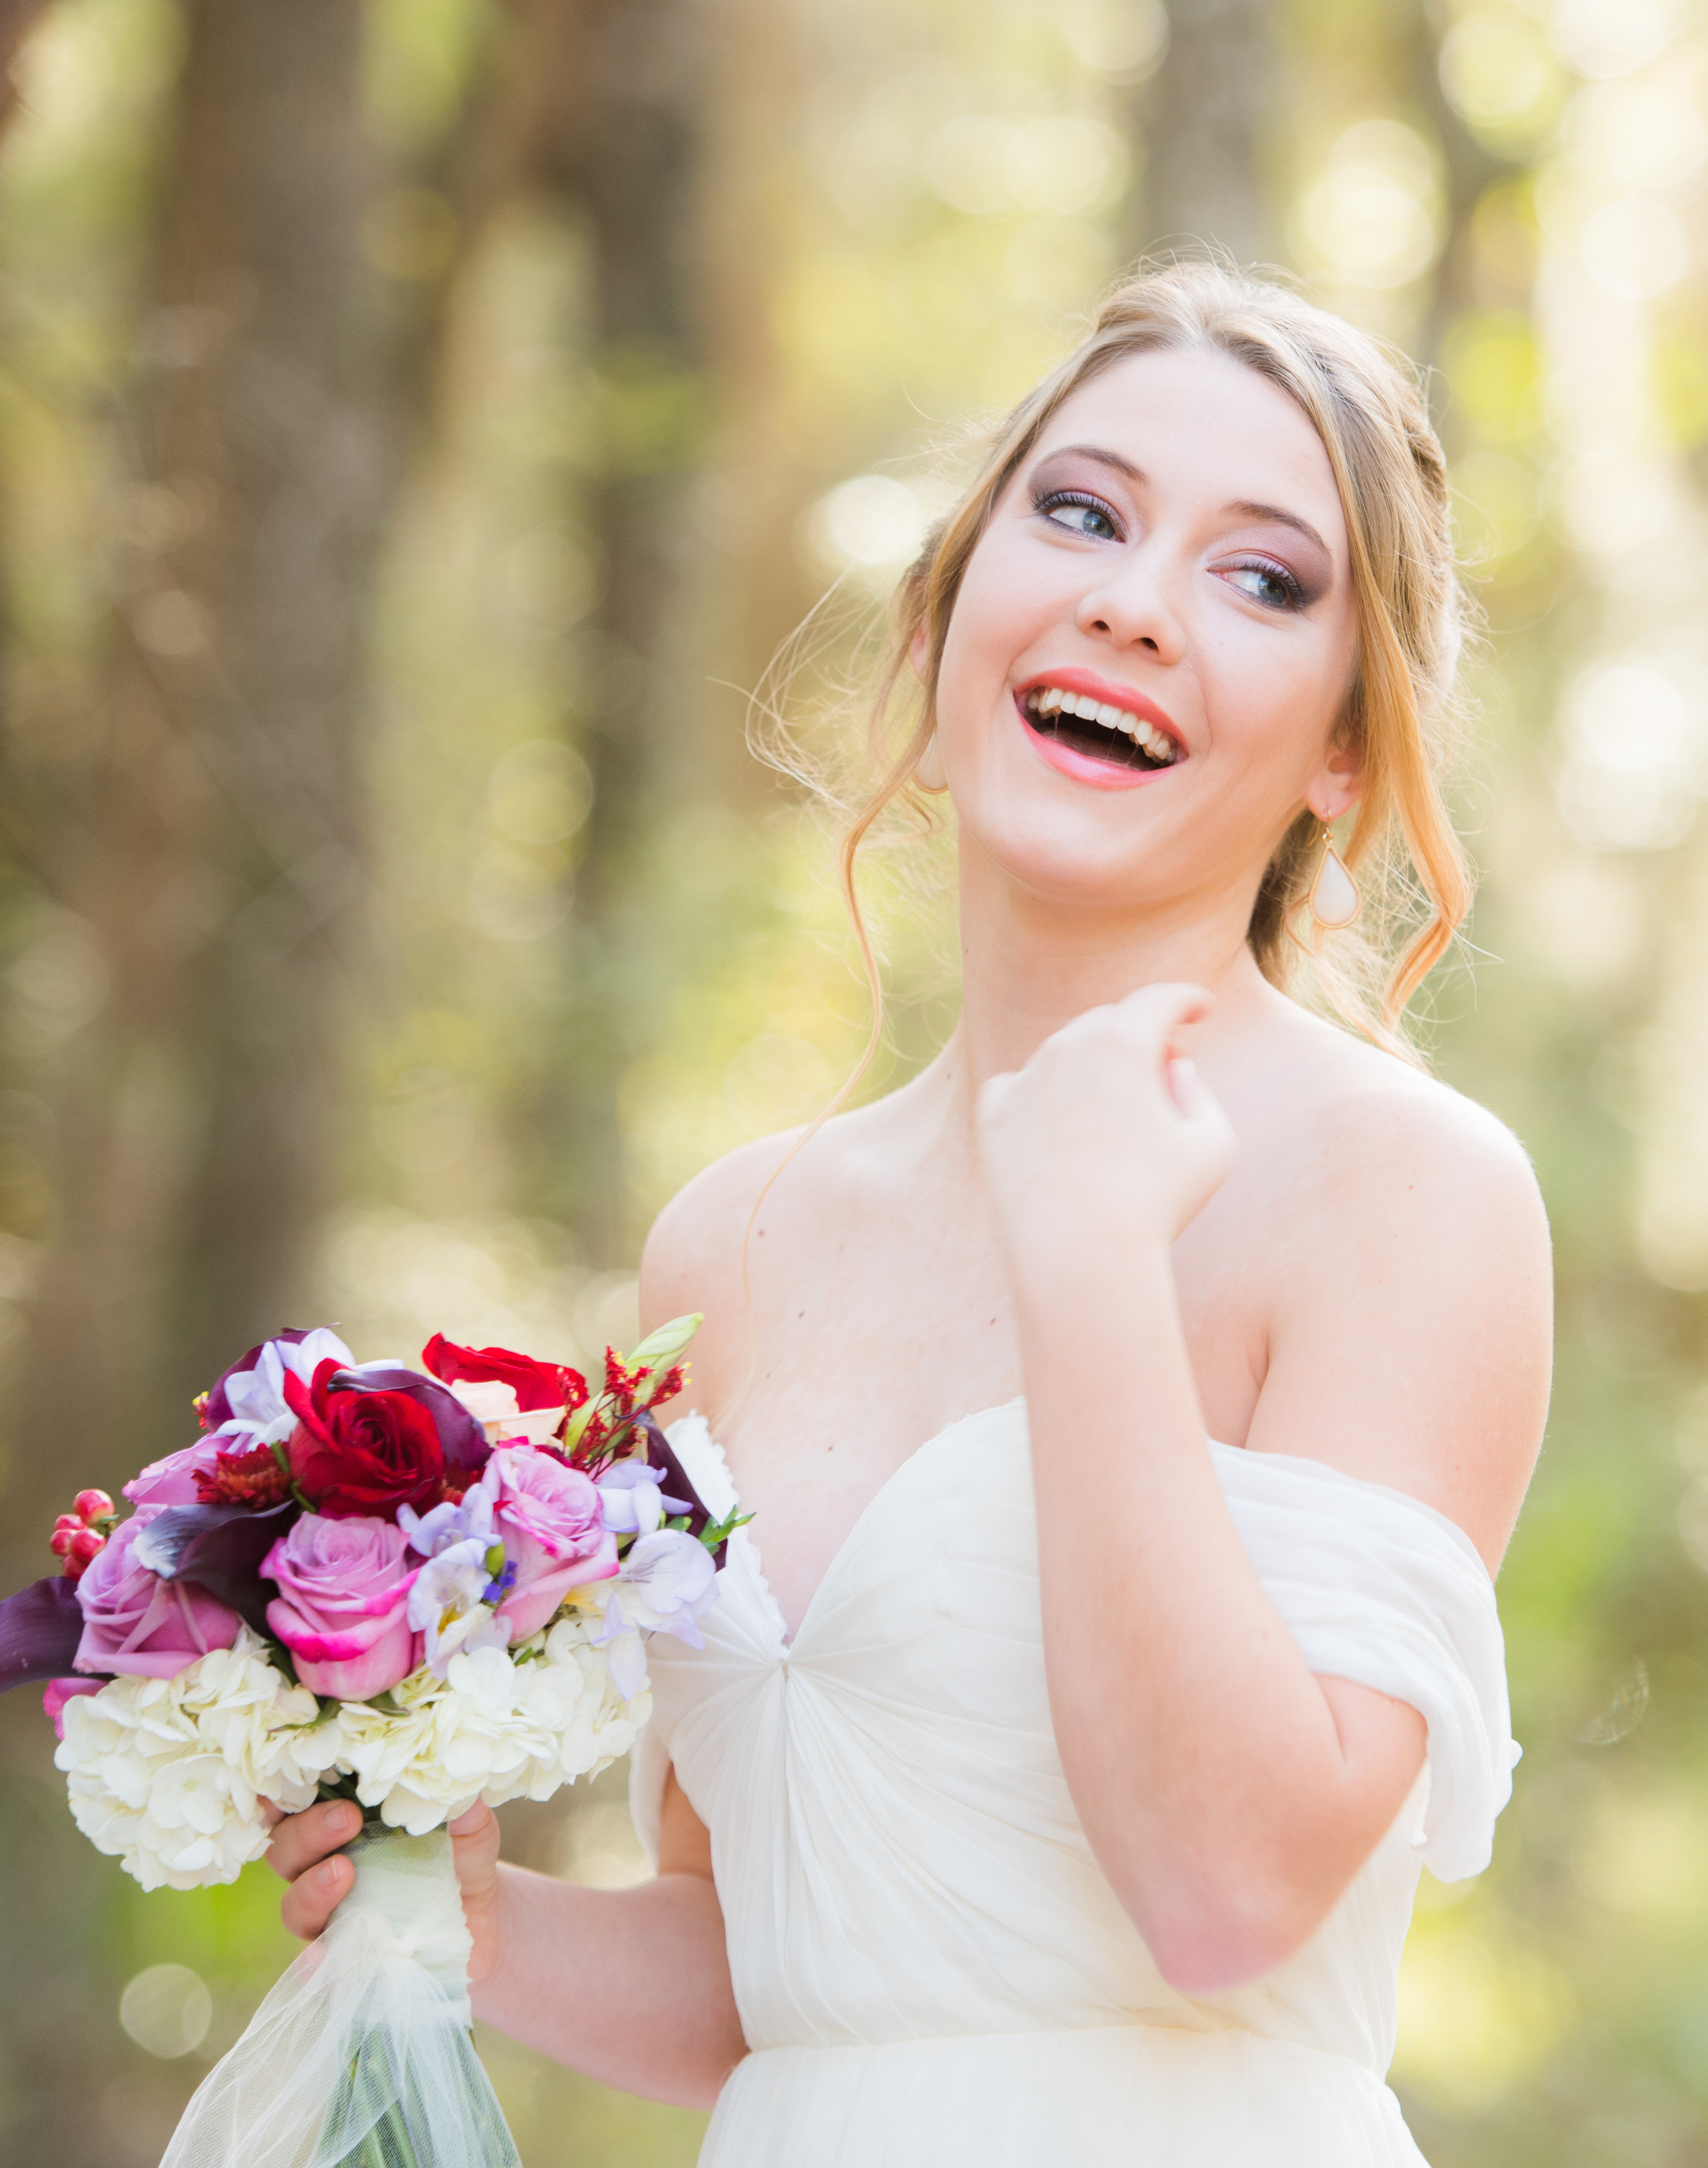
{"points": [[1081, 767]]}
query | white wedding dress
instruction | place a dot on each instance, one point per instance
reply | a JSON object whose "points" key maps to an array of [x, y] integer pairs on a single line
{"points": [[931, 1969]]}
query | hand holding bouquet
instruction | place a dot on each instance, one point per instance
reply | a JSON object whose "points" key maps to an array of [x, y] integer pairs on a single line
{"points": [[411, 1588]]}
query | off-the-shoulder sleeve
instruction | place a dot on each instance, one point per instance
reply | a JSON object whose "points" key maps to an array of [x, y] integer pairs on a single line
{"points": [[1379, 1588], [649, 1759]]}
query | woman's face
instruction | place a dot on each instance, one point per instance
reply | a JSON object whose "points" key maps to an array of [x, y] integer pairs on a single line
{"points": [[1172, 552]]}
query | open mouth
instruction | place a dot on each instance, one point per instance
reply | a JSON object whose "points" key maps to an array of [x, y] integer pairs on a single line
{"points": [[1097, 729]]}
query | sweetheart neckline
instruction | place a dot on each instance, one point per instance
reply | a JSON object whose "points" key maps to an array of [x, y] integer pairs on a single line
{"points": [[787, 1642]]}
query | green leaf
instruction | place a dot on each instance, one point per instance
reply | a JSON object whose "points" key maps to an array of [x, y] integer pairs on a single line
{"points": [[660, 1349]]}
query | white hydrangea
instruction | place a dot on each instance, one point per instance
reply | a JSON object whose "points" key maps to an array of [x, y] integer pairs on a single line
{"points": [[171, 1776], [501, 1726], [168, 1775]]}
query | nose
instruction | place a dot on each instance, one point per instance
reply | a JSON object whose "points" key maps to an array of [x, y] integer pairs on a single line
{"points": [[1132, 608]]}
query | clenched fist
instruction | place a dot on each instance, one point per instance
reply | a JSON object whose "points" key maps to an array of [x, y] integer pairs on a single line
{"points": [[1107, 1139]]}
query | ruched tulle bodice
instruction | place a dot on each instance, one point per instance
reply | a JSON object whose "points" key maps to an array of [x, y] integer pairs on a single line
{"points": [[929, 1966]]}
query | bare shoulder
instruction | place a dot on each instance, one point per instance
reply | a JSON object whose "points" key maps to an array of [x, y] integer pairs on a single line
{"points": [[723, 1236], [1396, 1146], [1411, 1332], [691, 1239], [693, 1259], [1369, 1141]]}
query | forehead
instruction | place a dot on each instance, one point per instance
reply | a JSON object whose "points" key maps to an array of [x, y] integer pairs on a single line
{"points": [[1201, 424]]}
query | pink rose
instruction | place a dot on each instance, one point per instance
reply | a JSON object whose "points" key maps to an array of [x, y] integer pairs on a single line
{"points": [[342, 1603], [548, 1519], [138, 1625], [172, 1481]]}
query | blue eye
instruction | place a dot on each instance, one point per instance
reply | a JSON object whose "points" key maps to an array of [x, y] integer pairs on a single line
{"points": [[1086, 515], [1272, 584]]}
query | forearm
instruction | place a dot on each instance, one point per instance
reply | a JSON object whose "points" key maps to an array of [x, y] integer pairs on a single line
{"points": [[631, 1986], [1204, 1758]]}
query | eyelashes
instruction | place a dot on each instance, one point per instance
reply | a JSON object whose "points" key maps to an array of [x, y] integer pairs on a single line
{"points": [[1095, 512], [1292, 596], [1265, 580]]}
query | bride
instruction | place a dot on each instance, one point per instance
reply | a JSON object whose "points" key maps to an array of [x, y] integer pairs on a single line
{"points": [[1135, 1407]]}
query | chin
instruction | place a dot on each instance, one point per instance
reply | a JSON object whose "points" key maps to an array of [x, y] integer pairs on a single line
{"points": [[1062, 858]]}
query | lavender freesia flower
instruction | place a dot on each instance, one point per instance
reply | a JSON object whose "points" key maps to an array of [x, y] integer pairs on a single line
{"points": [[447, 1606], [630, 1500], [666, 1583], [250, 1400], [450, 1523]]}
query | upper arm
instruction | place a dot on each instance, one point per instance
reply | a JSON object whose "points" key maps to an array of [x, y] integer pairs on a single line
{"points": [[1411, 1340]]}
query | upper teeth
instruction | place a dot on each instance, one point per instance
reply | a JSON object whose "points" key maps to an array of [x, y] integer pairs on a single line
{"points": [[1051, 699]]}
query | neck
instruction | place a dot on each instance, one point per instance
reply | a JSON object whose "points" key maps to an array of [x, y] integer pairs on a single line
{"points": [[1029, 967]]}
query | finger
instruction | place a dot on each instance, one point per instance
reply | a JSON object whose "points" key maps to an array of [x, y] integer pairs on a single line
{"points": [[1168, 1008], [473, 1822], [300, 1839], [313, 1897], [1189, 1090]]}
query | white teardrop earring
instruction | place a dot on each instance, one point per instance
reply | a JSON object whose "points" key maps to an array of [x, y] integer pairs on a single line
{"points": [[928, 771], [1334, 897]]}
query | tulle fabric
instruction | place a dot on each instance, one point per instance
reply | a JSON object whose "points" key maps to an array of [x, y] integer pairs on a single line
{"points": [[930, 1969], [360, 2057]]}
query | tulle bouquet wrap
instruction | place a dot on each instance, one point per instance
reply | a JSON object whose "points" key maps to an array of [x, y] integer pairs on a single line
{"points": [[412, 1587]]}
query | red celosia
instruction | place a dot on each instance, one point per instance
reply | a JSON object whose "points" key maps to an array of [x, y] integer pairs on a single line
{"points": [[590, 1446], [245, 1479], [620, 1383]]}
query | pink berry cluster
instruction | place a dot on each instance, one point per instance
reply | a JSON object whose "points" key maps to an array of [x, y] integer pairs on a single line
{"points": [[78, 1536]]}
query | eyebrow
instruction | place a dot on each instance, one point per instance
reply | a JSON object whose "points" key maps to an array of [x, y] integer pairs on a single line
{"points": [[1277, 517], [1274, 513]]}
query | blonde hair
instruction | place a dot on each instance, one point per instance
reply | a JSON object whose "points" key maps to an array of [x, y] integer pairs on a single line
{"points": [[1401, 714]]}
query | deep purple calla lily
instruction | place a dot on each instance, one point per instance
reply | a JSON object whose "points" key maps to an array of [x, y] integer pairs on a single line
{"points": [[220, 1549], [462, 1438], [40, 1629], [677, 1483]]}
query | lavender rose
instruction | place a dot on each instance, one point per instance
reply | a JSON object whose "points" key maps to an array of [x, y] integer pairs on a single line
{"points": [[136, 1625], [549, 1520], [172, 1481], [342, 1604]]}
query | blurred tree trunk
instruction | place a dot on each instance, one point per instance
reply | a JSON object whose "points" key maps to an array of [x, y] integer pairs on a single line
{"points": [[614, 97], [18, 18], [1208, 115], [218, 856]]}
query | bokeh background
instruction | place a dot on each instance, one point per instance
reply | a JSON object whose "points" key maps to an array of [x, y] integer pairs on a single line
{"points": [[420, 423]]}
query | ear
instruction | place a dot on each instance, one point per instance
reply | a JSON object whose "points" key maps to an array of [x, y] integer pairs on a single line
{"points": [[919, 653], [1334, 789]]}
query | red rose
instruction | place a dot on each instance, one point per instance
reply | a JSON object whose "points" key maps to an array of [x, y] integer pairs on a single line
{"points": [[535, 1384], [361, 1453]]}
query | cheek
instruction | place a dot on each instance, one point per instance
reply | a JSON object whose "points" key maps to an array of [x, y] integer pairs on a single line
{"points": [[998, 613], [1278, 705]]}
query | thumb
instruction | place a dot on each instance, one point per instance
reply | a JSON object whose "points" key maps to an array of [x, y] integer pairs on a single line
{"points": [[475, 1845]]}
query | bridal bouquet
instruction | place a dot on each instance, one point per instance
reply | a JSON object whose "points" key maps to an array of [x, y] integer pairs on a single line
{"points": [[412, 1588]]}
